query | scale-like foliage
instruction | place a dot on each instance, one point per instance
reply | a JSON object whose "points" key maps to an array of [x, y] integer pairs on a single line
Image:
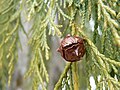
{"points": [[9, 25], [60, 17]]}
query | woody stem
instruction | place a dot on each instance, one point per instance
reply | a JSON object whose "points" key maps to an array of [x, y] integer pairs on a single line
{"points": [[75, 76]]}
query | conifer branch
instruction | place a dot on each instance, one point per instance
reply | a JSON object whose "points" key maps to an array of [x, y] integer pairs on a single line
{"points": [[94, 48], [111, 22], [59, 83], [102, 58]]}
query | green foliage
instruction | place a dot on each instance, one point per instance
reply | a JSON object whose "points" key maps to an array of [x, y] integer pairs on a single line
{"points": [[9, 25], [63, 81], [59, 17]]}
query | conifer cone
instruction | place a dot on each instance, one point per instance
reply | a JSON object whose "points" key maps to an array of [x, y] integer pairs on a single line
{"points": [[72, 48]]}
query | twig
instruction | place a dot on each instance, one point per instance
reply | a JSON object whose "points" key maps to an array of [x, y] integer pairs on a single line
{"points": [[62, 76], [75, 76]]}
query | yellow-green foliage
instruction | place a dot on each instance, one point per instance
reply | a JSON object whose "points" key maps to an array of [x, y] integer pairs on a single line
{"points": [[9, 24], [49, 17]]}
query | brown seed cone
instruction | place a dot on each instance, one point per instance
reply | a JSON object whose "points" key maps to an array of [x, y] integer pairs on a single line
{"points": [[72, 48]]}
